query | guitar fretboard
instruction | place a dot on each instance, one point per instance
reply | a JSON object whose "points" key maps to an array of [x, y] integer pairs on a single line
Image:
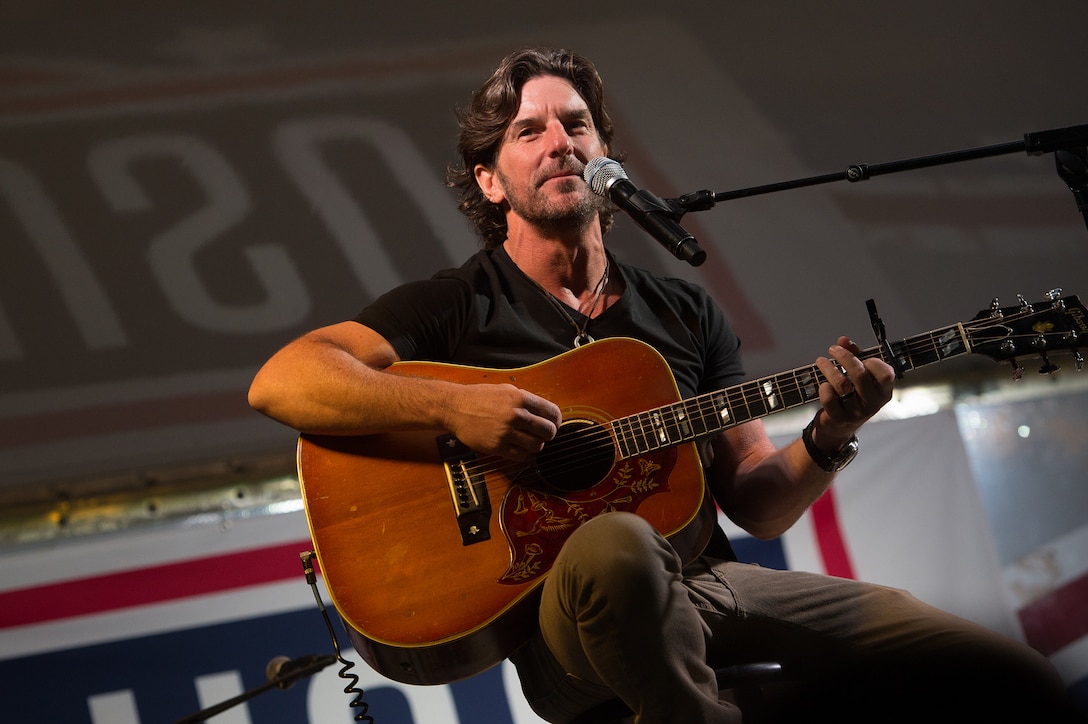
{"points": [[693, 418]]}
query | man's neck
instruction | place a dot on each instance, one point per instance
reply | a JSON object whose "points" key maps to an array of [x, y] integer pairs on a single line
{"points": [[570, 269]]}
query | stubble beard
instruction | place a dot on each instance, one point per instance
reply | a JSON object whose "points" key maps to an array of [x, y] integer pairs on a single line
{"points": [[557, 216]]}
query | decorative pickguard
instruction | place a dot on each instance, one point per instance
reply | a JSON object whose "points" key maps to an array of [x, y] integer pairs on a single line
{"points": [[537, 523]]}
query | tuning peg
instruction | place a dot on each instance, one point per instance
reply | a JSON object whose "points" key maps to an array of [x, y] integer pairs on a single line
{"points": [[995, 308], [1078, 359], [1055, 296], [1048, 367], [1025, 305], [1017, 370]]}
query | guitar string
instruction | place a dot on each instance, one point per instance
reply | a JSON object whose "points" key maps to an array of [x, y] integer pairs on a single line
{"points": [[930, 343], [707, 406], [594, 436], [599, 434], [703, 406]]}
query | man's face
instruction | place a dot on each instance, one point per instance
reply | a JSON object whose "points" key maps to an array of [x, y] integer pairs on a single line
{"points": [[539, 164]]}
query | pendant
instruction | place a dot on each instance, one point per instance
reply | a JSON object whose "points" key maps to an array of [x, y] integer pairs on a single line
{"points": [[582, 338]]}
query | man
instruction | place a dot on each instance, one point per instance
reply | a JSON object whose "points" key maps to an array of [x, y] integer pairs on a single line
{"points": [[621, 614]]}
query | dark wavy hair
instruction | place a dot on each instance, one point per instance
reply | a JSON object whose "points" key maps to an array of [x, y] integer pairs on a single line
{"points": [[484, 121]]}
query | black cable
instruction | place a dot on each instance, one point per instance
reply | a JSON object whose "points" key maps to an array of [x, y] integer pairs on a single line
{"points": [[351, 688]]}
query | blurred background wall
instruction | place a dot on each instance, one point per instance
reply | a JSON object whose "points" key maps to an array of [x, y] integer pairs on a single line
{"points": [[186, 187]]}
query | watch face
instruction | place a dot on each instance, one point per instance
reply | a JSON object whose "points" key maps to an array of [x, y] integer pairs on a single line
{"points": [[844, 456]]}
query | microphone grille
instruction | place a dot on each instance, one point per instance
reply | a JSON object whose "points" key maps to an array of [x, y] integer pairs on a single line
{"points": [[601, 172]]}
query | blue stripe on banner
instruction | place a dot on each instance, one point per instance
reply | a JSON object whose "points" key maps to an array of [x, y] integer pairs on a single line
{"points": [[766, 553], [152, 679]]}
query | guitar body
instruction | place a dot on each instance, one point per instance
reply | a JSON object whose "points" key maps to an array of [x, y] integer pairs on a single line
{"points": [[429, 597]]}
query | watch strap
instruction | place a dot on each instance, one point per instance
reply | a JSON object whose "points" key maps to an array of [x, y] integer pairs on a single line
{"points": [[834, 462]]}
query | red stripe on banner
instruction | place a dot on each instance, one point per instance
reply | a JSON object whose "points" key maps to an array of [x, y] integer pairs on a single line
{"points": [[829, 537], [155, 584], [1057, 619]]}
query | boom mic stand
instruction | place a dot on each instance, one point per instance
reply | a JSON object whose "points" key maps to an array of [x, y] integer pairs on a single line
{"points": [[1069, 146], [281, 672]]}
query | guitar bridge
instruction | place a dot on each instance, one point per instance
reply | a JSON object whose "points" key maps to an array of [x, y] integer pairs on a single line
{"points": [[468, 490]]}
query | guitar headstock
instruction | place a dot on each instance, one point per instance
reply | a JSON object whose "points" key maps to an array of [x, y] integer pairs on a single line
{"points": [[1058, 324]]}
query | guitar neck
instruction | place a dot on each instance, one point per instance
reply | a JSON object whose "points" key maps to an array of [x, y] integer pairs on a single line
{"points": [[696, 417]]}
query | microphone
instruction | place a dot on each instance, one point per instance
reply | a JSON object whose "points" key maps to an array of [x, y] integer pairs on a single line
{"points": [[284, 672], [607, 178]]}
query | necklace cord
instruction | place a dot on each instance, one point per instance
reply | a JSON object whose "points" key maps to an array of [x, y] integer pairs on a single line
{"points": [[581, 336]]}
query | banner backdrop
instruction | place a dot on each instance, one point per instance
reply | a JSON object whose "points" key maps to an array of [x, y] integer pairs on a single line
{"points": [[153, 626]]}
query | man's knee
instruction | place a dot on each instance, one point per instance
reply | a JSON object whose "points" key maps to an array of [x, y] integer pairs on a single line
{"points": [[619, 551]]}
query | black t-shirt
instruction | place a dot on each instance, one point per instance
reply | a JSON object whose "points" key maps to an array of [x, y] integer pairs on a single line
{"points": [[487, 313]]}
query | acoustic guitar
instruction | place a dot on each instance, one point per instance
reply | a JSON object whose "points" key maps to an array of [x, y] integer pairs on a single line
{"points": [[434, 555]]}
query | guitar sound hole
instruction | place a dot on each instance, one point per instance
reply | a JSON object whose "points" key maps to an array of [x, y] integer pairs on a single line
{"points": [[579, 457]]}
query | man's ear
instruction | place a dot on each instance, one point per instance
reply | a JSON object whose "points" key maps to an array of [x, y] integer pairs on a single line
{"points": [[488, 182]]}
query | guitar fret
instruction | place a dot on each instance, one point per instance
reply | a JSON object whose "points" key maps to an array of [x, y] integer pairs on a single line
{"points": [[753, 401], [717, 412], [951, 344], [904, 357], [800, 390], [635, 438], [675, 422], [808, 386], [699, 425], [621, 429], [661, 432], [642, 437], [683, 422]]}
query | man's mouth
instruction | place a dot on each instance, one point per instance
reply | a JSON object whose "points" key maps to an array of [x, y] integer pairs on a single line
{"points": [[561, 174]]}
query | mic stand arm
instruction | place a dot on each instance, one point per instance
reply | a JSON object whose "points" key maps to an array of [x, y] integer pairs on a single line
{"points": [[281, 682], [1069, 145]]}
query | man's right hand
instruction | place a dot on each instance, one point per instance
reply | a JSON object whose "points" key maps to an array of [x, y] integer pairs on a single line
{"points": [[504, 420]]}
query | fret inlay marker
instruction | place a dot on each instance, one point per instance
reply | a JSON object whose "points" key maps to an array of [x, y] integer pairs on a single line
{"points": [[685, 426], [723, 410], [809, 386], [664, 438], [768, 392], [950, 342]]}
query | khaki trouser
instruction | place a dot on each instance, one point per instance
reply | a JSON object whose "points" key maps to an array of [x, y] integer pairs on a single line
{"points": [[620, 617]]}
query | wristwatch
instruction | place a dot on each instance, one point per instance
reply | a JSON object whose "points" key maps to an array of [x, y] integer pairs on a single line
{"points": [[829, 463]]}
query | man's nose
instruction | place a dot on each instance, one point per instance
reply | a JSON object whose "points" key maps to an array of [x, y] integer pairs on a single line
{"points": [[561, 142]]}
